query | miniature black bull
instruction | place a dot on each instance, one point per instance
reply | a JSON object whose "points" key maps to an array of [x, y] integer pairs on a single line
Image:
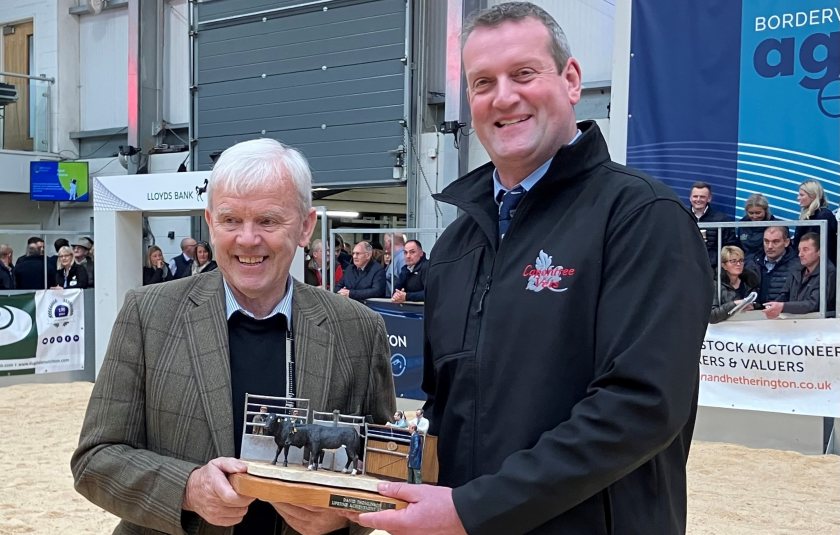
{"points": [[315, 438]]}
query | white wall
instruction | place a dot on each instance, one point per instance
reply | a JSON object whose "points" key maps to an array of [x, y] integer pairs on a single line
{"points": [[176, 77], [588, 25], [103, 41], [104, 67]]}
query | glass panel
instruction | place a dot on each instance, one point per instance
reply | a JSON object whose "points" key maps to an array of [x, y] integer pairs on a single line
{"points": [[24, 122]]}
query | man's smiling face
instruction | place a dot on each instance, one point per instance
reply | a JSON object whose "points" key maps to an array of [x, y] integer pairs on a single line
{"points": [[255, 237], [522, 107]]}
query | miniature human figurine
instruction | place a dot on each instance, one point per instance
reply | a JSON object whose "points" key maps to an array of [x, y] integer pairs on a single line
{"points": [[415, 455], [399, 420], [259, 419]]}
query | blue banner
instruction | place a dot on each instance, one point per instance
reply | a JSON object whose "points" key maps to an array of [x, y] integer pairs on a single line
{"points": [[404, 323], [742, 95]]}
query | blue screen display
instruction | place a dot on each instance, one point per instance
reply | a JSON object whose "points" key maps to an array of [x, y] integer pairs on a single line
{"points": [[59, 181]]}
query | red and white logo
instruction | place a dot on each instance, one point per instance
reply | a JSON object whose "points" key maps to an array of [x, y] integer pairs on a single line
{"points": [[543, 275]]}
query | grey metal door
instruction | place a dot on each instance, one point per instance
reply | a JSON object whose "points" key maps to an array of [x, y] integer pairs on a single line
{"points": [[328, 77]]}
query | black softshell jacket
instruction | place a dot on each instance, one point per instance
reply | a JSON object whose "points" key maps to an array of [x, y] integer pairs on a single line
{"points": [[561, 366]]}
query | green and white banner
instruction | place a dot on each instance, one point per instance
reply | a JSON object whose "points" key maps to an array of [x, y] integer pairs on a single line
{"points": [[42, 332]]}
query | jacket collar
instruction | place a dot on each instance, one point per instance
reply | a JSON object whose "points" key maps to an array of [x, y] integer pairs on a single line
{"points": [[206, 334], [473, 193]]}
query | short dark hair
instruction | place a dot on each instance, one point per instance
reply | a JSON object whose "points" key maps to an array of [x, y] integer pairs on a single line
{"points": [[515, 12], [419, 245], [59, 243], [34, 239], [702, 185], [814, 237]]}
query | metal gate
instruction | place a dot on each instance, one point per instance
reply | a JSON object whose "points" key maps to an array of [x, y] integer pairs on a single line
{"points": [[328, 77]]}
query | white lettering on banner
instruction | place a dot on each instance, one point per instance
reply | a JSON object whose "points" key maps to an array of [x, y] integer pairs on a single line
{"points": [[798, 19], [787, 366], [397, 341]]}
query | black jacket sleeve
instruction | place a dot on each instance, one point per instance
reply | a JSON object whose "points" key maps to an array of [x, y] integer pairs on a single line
{"points": [[643, 395]]}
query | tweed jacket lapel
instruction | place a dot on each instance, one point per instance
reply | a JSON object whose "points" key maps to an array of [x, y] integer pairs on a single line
{"points": [[314, 346], [207, 344]]}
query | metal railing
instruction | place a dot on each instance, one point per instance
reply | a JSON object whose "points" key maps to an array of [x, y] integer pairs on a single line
{"points": [[823, 226], [25, 110]]}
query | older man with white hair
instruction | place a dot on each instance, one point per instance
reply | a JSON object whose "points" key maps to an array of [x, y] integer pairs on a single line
{"points": [[164, 426]]}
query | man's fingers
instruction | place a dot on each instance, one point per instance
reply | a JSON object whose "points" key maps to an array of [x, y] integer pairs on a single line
{"points": [[229, 465], [379, 520], [403, 491]]}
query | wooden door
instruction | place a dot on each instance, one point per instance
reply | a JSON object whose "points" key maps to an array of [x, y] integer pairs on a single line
{"points": [[16, 51]]}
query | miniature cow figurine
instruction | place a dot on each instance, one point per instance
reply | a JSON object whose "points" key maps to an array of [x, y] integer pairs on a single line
{"points": [[315, 438]]}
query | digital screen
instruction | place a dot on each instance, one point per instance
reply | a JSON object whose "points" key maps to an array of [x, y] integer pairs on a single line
{"points": [[59, 181]]}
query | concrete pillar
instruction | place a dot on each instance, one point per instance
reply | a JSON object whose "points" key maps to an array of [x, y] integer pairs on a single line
{"points": [[119, 266]]}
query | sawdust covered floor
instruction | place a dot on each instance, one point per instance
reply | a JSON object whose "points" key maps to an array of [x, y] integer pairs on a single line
{"points": [[732, 489]]}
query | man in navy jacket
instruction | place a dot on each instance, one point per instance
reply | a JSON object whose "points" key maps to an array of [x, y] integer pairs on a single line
{"points": [[365, 278], [560, 361], [411, 284]]}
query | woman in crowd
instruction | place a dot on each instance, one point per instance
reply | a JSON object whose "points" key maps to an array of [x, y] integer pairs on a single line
{"points": [[69, 274], [813, 206], [156, 269], [203, 258], [757, 209], [399, 421], [735, 284]]}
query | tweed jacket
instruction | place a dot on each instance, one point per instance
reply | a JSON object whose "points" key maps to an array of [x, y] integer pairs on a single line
{"points": [[161, 405]]}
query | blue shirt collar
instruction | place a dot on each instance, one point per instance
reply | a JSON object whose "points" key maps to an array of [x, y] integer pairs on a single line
{"points": [[531, 180], [284, 307]]}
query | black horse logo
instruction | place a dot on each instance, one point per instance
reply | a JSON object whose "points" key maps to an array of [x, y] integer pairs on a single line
{"points": [[201, 190]]}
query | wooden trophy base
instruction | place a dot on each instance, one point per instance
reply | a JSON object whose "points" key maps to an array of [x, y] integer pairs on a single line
{"points": [[298, 486]]}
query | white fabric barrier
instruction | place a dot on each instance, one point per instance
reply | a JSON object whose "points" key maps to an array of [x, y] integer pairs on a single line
{"points": [[42, 332], [785, 366]]}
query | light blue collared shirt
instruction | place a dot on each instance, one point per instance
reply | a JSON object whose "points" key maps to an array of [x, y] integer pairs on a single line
{"points": [[531, 180], [284, 307]]}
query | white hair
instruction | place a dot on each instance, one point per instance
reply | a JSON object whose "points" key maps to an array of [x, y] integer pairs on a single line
{"points": [[258, 163]]}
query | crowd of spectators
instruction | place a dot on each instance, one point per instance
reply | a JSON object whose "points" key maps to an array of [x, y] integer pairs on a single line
{"points": [[782, 266], [71, 267], [195, 258], [397, 271]]}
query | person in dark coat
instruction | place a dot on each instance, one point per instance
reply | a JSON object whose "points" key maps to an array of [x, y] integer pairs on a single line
{"points": [[566, 308], [736, 283], [752, 238], [69, 275], [801, 294], [37, 242], [411, 284], [29, 270], [156, 269], [774, 264], [364, 279], [814, 207], [7, 269], [700, 199], [83, 255]]}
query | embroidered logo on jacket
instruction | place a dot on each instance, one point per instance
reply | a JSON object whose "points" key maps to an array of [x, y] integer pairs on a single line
{"points": [[542, 275]]}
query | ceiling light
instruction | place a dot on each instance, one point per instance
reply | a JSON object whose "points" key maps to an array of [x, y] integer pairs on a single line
{"points": [[338, 213]]}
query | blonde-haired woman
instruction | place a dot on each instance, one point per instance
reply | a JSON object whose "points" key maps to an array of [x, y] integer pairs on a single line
{"points": [[156, 269], [69, 275], [735, 283], [813, 207]]}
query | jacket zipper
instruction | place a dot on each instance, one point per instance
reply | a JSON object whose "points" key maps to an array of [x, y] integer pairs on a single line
{"points": [[483, 295]]}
